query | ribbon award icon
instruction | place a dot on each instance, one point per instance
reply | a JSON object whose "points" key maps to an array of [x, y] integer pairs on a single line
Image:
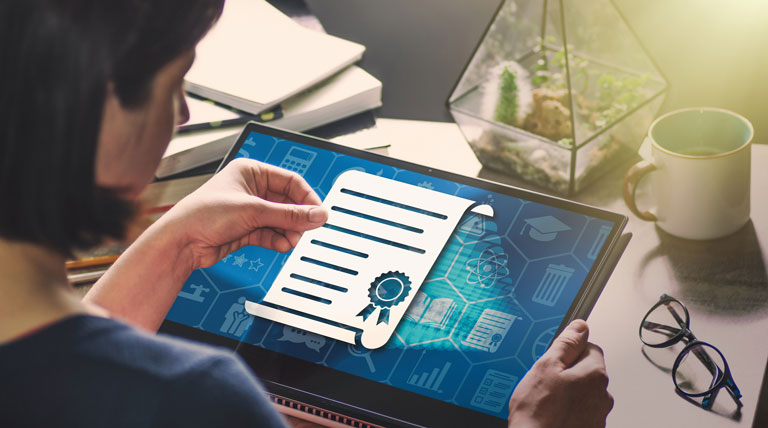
{"points": [[387, 290]]}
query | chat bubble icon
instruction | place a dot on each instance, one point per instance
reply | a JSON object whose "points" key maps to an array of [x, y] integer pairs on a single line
{"points": [[295, 335], [315, 341]]}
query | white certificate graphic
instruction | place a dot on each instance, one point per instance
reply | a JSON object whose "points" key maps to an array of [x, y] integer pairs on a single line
{"points": [[359, 272]]}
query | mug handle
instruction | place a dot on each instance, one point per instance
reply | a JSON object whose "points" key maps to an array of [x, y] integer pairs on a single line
{"points": [[629, 186]]}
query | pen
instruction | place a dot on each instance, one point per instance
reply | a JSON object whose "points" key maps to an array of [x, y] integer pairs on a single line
{"points": [[78, 278], [183, 129], [245, 117]]}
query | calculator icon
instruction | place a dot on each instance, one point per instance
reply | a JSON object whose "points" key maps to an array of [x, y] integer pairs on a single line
{"points": [[298, 160]]}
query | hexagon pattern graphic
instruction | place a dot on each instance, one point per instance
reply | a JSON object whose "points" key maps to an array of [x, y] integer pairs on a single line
{"points": [[488, 309]]}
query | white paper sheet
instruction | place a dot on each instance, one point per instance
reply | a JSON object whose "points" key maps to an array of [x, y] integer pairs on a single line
{"points": [[359, 272]]}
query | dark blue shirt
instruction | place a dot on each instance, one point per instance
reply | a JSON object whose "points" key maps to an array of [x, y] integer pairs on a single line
{"points": [[88, 371]]}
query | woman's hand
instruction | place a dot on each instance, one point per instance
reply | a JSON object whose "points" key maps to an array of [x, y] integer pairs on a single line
{"points": [[247, 203], [566, 387]]}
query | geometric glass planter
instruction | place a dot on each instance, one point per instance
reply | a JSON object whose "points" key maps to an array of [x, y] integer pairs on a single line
{"points": [[557, 92]]}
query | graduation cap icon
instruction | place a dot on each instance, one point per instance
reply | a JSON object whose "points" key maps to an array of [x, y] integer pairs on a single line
{"points": [[544, 229]]}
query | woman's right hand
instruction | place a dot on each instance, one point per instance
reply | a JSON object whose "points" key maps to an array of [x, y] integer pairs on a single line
{"points": [[247, 203], [566, 387]]}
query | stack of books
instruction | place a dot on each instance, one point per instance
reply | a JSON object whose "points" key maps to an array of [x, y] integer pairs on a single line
{"points": [[259, 64]]}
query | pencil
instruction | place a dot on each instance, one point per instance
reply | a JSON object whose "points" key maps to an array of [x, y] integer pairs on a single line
{"points": [[92, 261], [108, 260], [158, 209]]}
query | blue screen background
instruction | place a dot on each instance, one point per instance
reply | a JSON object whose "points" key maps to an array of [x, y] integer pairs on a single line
{"points": [[503, 269]]}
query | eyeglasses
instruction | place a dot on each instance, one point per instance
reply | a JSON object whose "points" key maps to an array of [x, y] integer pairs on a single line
{"points": [[700, 370]]}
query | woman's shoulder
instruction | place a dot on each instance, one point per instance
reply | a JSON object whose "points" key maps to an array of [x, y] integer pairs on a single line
{"points": [[107, 341], [98, 341], [109, 362]]}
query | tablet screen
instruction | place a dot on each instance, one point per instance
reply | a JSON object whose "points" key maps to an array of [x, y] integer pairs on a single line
{"points": [[488, 308]]}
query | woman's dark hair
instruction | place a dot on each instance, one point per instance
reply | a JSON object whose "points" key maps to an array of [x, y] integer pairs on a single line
{"points": [[56, 59]]}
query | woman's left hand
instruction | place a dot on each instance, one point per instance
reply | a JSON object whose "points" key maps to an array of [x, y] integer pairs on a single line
{"points": [[247, 203]]}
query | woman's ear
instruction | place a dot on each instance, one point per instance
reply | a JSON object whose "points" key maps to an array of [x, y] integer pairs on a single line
{"points": [[112, 108], [116, 132], [111, 115]]}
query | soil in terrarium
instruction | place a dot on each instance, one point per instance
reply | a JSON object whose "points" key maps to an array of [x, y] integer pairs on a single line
{"points": [[540, 105]]}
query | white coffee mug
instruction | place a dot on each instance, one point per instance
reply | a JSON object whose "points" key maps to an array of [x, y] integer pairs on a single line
{"points": [[699, 161]]}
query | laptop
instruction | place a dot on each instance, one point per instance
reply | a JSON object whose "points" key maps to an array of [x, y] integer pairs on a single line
{"points": [[422, 302]]}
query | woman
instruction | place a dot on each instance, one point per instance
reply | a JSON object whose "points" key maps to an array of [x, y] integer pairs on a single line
{"points": [[91, 92]]}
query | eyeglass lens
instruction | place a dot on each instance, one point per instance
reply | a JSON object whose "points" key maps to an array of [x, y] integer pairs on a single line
{"points": [[663, 323], [700, 368]]}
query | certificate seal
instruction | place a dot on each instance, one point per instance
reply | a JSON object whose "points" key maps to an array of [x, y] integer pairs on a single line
{"points": [[387, 290]]}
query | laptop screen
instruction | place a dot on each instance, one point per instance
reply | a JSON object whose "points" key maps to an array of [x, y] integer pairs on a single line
{"points": [[487, 309]]}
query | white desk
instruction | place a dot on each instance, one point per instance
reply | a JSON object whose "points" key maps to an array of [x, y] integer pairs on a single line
{"points": [[723, 283]]}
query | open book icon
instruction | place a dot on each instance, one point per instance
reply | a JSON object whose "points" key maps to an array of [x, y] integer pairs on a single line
{"points": [[431, 312], [358, 273]]}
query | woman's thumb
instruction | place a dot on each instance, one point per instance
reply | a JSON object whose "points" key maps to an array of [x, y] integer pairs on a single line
{"points": [[569, 345], [290, 216]]}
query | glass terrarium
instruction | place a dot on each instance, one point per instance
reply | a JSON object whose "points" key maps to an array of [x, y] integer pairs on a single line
{"points": [[557, 92]]}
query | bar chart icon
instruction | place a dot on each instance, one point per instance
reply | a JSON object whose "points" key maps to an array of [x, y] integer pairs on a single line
{"points": [[429, 379], [552, 284]]}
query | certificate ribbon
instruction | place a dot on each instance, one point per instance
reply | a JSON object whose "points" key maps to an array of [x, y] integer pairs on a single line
{"points": [[387, 290]]}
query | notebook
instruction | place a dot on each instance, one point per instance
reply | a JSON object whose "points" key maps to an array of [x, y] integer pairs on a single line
{"points": [[344, 94], [255, 57]]}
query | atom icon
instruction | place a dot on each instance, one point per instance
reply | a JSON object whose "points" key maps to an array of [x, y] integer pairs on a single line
{"points": [[487, 268]]}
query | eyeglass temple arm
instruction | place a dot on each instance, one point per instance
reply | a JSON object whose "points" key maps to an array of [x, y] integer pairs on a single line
{"points": [[675, 315], [650, 325], [705, 359], [730, 385], [733, 390]]}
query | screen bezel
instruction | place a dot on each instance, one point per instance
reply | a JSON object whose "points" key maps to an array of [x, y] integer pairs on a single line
{"points": [[340, 391]]}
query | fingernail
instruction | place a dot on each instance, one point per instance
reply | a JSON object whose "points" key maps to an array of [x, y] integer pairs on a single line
{"points": [[317, 215], [579, 326]]}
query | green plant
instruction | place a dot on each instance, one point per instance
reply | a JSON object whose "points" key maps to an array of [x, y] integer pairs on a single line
{"points": [[617, 95], [549, 70], [541, 73], [506, 108]]}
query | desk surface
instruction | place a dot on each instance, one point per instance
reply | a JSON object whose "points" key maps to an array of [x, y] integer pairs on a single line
{"points": [[724, 284]]}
